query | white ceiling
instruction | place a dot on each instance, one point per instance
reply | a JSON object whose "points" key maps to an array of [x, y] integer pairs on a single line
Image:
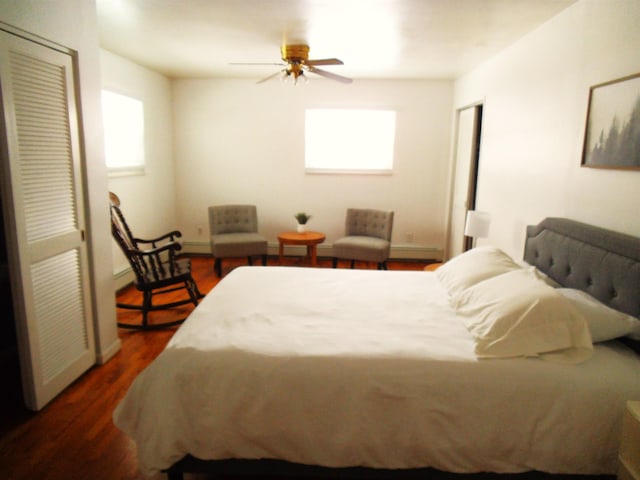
{"points": [[374, 38]]}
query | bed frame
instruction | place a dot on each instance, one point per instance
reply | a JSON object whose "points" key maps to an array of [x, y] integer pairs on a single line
{"points": [[600, 262]]}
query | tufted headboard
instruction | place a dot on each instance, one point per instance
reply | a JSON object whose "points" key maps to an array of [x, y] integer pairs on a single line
{"points": [[601, 262]]}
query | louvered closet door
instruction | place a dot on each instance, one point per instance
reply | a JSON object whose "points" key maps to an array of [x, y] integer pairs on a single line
{"points": [[42, 193]]}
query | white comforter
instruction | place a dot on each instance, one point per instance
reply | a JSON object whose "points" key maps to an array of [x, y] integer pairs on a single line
{"points": [[366, 368]]}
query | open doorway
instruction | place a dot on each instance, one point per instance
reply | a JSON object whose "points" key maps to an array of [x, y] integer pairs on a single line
{"points": [[465, 177], [12, 402]]}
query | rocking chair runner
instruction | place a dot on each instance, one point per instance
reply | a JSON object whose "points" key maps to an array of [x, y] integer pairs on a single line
{"points": [[156, 267]]}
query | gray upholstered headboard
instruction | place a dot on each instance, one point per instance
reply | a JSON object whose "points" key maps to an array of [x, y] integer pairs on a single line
{"points": [[601, 262]]}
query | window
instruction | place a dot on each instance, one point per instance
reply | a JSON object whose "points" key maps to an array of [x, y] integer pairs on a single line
{"points": [[349, 141], [123, 119]]}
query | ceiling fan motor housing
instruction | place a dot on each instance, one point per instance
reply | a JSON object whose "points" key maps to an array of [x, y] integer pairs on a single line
{"points": [[295, 56], [295, 53]]}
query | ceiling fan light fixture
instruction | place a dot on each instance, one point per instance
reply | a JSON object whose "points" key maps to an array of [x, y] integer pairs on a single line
{"points": [[299, 76], [294, 71], [296, 63]]}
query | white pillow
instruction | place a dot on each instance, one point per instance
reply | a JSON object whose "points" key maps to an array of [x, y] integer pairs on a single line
{"points": [[516, 314], [540, 274], [604, 322], [473, 266]]}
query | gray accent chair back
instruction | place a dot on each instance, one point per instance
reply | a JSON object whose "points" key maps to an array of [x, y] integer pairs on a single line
{"points": [[234, 233], [367, 237]]}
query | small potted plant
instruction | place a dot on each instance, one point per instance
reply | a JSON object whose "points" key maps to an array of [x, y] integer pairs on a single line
{"points": [[302, 219]]}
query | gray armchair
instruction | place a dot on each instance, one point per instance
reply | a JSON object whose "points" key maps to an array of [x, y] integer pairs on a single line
{"points": [[234, 233], [367, 237]]}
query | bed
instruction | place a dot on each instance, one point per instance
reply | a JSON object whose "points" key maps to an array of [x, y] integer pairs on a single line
{"points": [[350, 372]]}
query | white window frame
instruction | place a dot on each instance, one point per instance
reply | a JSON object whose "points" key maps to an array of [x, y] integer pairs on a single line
{"points": [[334, 144]]}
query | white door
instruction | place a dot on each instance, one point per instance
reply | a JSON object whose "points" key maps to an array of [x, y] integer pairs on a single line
{"points": [[464, 177], [44, 217]]}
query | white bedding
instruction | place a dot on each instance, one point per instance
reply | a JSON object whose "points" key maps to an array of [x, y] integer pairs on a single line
{"points": [[366, 368]]}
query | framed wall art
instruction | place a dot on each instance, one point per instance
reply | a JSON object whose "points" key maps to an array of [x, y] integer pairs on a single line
{"points": [[612, 136]]}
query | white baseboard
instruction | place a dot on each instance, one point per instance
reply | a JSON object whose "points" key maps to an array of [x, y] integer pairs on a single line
{"points": [[123, 278], [398, 252], [416, 252], [408, 252], [103, 357], [197, 248]]}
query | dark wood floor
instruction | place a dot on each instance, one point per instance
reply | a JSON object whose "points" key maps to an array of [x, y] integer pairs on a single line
{"points": [[74, 437]]}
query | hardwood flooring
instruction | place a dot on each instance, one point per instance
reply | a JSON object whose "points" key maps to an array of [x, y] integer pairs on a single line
{"points": [[74, 437]]}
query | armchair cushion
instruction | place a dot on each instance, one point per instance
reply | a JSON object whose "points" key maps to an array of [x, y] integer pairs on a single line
{"points": [[238, 245], [359, 247]]}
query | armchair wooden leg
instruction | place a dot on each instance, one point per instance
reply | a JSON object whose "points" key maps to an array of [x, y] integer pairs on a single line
{"points": [[353, 263], [217, 265], [250, 261], [264, 260], [334, 262]]}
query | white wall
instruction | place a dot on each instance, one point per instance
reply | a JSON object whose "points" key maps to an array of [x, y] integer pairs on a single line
{"points": [[238, 142], [536, 95], [147, 201], [73, 24]]}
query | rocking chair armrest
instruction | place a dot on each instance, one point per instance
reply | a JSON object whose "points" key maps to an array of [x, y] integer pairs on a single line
{"points": [[171, 246], [171, 235]]}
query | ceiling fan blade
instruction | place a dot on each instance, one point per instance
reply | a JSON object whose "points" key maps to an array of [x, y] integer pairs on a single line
{"points": [[330, 75], [271, 76], [325, 61]]}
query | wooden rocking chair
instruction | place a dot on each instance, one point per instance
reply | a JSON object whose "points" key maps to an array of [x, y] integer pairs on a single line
{"points": [[156, 267]]}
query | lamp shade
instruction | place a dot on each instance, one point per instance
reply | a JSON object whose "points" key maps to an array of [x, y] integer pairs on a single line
{"points": [[477, 224]]}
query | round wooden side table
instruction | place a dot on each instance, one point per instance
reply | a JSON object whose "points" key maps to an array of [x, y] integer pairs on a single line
{"points": [[309, 239]]}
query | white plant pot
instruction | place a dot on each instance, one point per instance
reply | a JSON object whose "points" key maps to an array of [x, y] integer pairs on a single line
{"points": [[301, 228]]}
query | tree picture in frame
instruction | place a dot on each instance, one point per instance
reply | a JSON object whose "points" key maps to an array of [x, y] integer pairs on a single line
{"points": [[612, 137]]}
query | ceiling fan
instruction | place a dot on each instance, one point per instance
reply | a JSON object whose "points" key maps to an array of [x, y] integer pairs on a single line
{"points": [[296, 63]]}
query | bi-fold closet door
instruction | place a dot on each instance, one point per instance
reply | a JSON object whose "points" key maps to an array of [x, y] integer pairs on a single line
{"points": [[44, 217]]}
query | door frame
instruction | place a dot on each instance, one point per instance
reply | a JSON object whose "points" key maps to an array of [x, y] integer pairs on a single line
{"points": [[472, 181]]}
